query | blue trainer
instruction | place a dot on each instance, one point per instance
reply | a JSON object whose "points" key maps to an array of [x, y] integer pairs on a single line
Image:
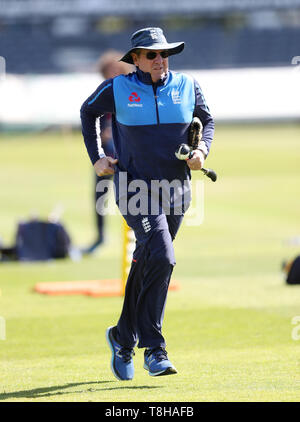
{"points": [[157, 362], [121, 359]]}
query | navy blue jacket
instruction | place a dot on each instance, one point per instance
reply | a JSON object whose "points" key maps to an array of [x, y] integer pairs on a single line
{"points": [[149, 121]]}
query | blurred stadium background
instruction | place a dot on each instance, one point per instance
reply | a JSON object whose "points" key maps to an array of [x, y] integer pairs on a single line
{"points": [[246, 56], [239, 49]]}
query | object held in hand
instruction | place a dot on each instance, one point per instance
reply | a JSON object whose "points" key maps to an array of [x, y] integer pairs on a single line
{"points": [[195, 133], [184, 152]]}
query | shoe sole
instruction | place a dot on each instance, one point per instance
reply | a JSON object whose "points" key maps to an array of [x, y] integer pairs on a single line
{"points": [[168, 371], [112, 361]]}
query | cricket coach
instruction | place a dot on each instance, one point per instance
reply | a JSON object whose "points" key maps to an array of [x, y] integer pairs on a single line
{"points": [[152, 109]]}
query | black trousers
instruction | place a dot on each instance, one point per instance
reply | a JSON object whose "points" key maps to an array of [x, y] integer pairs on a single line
{"points": [[148, 281]]}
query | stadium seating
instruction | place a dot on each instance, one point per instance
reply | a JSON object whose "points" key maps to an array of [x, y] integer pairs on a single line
{"points": [[35, 48]]}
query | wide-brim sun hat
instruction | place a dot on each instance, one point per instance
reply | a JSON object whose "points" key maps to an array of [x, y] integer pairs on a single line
{"points": [[151, 39]]}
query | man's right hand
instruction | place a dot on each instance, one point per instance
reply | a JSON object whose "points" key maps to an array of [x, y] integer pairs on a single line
{"points": [[105, 166]]}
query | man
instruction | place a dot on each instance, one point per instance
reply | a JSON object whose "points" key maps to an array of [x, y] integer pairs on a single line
{"points": [[152, 109]]}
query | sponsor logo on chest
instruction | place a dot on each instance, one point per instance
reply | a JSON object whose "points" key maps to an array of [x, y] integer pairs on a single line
{"points": [[134, 99]]}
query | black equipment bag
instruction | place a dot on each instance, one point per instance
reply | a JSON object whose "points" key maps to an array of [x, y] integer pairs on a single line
{"points": [[41, 240]]}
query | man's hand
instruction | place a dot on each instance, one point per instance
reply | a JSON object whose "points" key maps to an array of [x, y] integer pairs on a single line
{"points": [[105, 166], [197, 160]]}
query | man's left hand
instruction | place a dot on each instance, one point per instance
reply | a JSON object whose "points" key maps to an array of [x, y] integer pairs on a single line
{"points": [[197, 160]]}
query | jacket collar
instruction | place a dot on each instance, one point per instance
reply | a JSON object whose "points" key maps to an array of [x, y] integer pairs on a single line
{"points": [[145, 77]]}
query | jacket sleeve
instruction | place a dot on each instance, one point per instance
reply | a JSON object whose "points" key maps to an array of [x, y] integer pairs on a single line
{"points": [[99, 103], [202, 111]]}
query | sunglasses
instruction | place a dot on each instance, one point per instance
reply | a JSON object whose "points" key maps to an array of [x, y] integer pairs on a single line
{"points": [[152, 54]]}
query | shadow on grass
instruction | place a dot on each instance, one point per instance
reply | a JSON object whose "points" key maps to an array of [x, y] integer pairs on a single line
{"points": [[51, 391]]}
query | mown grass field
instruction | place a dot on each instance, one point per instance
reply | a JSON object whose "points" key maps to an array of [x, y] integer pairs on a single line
{"points": [[228, 327]]}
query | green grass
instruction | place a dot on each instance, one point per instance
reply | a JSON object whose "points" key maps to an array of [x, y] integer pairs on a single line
{"points": [[228, 328]]}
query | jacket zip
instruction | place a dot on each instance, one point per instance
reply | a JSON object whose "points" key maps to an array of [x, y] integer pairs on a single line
{"points": [[156, 105]]}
